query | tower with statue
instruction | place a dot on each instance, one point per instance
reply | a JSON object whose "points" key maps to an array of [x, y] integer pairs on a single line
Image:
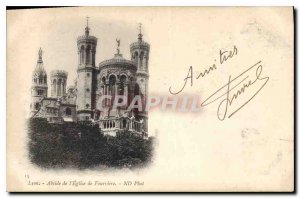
{"points": [[117, 76]]}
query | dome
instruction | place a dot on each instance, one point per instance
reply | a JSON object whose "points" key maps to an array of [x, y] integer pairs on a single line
{"points": [[140, 44], [87, 38], [59, 73], [118, 60]]}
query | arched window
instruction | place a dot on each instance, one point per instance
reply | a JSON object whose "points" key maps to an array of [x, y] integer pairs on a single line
{"points": [[112, 80], [103, 85], [64, 86], [88, 52], [122, 84], [141, 59], [103, 80], [136, 89], [93, 56], [136, 56], [124, 124], [82, 54], [54, 86], [59, 87], [112, 88], [68, 111], [137, 92]]}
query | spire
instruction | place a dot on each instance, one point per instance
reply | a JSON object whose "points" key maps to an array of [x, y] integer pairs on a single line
{"points": [[87, 29], [40, 59], [140, 32]]}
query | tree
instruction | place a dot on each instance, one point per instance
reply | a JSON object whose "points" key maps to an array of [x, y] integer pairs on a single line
{"points": [[81, 145]]}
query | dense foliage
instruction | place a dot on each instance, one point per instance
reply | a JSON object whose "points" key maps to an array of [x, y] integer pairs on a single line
{"points": [[82, 145]]}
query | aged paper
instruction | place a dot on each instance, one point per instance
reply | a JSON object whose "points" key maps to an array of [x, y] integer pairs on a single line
{"points": [[210, 95]]}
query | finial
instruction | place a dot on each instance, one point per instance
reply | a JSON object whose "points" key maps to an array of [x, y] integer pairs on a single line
{"points": [[40, 55], [140, 32], [118, 45], [87, 29]]}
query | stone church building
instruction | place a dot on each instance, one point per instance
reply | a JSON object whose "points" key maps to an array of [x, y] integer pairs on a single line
{"points": [[115, 76]]}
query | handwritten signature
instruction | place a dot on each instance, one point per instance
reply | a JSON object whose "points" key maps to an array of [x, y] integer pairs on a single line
{"points": [[223, 57], [230, 95], [233, 89]]}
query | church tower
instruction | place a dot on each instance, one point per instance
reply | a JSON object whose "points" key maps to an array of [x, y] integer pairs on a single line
{"points": [[86, 75], [140, 55], [58, 83], [39, 86]]}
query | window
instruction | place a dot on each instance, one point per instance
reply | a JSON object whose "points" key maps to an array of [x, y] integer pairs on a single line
{"points": [[122, 84], [141, 60], [136, 55], [103, 81], [124, 123], [68, 111], [88, 51], [87, 106], [112, 80], [81, 54], [40, 92], [37, 106], [87, 90]]}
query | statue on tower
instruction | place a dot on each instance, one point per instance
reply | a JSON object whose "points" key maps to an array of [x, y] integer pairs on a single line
{"points": [[118, 45], [40, 55]]}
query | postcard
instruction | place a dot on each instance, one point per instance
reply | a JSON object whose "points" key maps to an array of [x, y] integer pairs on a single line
{"points": [[150, 99]]}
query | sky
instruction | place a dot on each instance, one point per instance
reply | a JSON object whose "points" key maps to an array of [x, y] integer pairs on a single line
{"points": [[179, 38]]}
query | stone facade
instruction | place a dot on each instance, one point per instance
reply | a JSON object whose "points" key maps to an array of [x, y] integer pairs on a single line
{"points": [[114, 77]]}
